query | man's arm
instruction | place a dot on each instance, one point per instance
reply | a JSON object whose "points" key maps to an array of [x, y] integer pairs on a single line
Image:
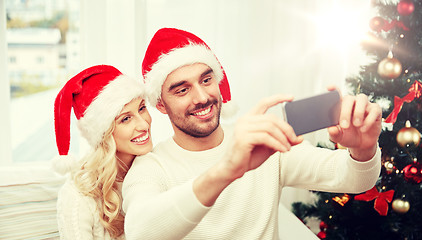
{"points": [[256, 137], [320, 169], [152, 210]]}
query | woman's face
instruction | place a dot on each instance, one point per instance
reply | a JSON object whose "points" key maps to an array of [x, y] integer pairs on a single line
{"points": [[132, 132]]}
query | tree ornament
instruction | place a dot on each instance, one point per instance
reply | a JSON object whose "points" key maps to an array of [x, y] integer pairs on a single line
{"points": [[389, 167], [381, 199], [389, 67], [377, 23], [322, 235], [323, 226], [405, 7], [413, 172], [341, 200], [408, 136], [415, 91], [385, 158], [400, 206]]}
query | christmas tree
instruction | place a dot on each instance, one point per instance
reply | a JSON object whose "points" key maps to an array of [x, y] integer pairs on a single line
{"points": [[393, 208]]}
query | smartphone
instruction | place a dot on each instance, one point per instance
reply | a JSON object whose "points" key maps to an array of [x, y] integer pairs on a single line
{"points": [[313, 113]]}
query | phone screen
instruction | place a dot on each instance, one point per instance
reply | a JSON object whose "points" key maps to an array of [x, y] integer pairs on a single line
{"points": [[313, 113]]}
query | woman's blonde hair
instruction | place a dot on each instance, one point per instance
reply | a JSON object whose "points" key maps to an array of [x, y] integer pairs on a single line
{"points": [[97, 177]]}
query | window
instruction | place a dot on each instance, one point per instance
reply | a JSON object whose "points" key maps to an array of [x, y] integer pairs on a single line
{"points": [[36, 42]]}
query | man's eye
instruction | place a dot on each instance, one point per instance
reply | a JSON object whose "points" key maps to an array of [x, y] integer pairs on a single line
{"points": [[207, 80], [182, 91]]}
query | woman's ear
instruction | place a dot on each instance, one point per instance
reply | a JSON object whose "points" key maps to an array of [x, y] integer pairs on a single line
{"points": [[161, 107]]}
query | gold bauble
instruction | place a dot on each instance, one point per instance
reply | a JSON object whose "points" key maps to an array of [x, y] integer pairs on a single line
{"points": [[389, 68], [400, 206], [408, 136]]}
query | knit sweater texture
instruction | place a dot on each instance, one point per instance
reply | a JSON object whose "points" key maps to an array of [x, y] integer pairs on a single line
{"points": [[78, 216], [159, 201]]}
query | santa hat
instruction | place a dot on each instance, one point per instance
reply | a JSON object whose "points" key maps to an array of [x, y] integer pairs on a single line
{"points": [[97, 95], [172, 48]]}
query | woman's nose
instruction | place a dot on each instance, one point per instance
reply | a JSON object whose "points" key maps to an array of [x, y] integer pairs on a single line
{"points": [[141, 123]]}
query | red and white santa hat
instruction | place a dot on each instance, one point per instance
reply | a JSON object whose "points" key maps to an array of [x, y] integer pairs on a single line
{"points": [[172, 48], [97, 95]]}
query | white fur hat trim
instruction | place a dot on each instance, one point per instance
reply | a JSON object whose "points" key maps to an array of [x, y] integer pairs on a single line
{"points": [[176, 58], [107, 105]]}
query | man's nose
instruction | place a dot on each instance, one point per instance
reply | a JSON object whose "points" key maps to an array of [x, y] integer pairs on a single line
{"points": [[199, 95]]}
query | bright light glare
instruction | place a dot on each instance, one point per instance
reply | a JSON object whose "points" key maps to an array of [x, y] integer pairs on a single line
{"points": [[342, 24]]}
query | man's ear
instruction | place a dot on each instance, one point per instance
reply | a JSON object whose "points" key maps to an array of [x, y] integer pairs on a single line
{"points": [[161, 107]]}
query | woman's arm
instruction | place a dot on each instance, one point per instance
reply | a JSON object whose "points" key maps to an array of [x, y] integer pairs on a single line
{"points": [[75, 214]]}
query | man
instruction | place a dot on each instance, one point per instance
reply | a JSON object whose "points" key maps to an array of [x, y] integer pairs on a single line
{"points": [[207, 182]]}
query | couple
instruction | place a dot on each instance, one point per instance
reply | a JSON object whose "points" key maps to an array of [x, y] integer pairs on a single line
{"points": [[206, 181]]}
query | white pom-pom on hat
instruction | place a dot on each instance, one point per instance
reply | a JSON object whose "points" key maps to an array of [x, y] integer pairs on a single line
{"points": [[64, 164]]}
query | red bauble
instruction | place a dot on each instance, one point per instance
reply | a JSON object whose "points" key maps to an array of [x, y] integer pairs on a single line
{"points": [[413, 172], [405, 7], [323, 226], [322, 235], [377, 23]]}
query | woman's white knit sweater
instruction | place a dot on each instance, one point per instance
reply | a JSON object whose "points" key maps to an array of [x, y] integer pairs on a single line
{"points": [[77, 215]]}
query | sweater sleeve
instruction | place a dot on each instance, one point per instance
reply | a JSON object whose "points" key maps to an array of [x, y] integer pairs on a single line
{"points": [[320, 169], [75, 215], [152, 210]]}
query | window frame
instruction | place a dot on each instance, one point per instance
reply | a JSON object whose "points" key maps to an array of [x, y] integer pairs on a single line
{"points": [[93, 50], [5, 129]]}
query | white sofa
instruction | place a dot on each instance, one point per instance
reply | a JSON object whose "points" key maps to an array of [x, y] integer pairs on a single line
{"points": [[28, 196]]}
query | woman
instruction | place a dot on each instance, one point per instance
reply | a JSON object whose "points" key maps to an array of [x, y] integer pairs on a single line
{"points": [[113, 118]]}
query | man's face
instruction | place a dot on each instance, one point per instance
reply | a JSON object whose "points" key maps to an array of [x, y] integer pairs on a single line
{"points": [[191, 97]]}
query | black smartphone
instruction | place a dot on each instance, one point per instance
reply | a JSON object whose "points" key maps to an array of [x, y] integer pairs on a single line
{"points": [[313, 113]]}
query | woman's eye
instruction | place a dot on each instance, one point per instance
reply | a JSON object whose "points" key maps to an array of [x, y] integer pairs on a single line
{"points": [[125, 119], [142, 108]]}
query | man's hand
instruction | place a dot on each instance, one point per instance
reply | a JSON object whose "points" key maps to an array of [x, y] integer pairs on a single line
{"points": [[258, 135], [359, 126]]}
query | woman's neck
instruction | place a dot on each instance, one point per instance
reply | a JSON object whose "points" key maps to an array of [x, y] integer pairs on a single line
{"points": [[123, 165]]}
